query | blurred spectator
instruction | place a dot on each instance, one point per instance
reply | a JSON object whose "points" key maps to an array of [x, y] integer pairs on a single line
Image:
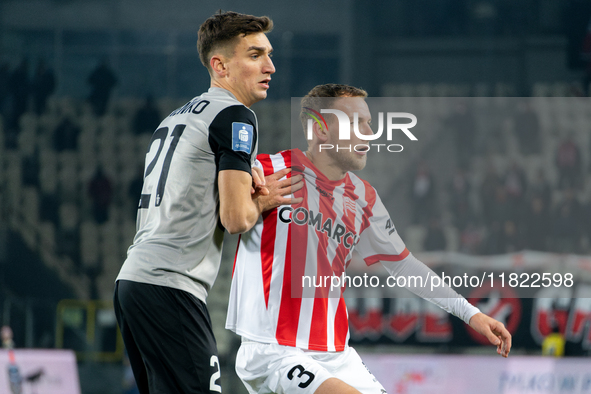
{"points": [[463, 126], [19, 88], [42, 87], [65, 135], [554, 343], [435, 239], [537, 225], [423, 195], [541, 188], [460, 198], [502, 209], [567, 222], [494, 243], [502, 234], [147, 118], [511, 237], [101, 192], [6, 333], [515, 186], [102, 80], [487, 193], [526, 126], [568, 163], [471, 239]]}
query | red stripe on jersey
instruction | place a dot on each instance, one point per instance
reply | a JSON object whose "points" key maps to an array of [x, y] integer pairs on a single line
{"points": [[268, 250], [341, 326], [289, 309], [318, 327], [265, 160], [386, 257], [286, 158], [236, 255]]}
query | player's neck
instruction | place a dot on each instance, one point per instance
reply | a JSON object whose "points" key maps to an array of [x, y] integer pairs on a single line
{"points": [[221, 83], [326, 165]]}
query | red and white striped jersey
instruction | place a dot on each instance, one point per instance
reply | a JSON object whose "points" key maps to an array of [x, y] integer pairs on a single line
{"points": [[313, 238]]}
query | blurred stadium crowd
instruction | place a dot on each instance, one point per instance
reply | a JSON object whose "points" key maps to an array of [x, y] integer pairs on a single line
{"points": [[521, 184]]}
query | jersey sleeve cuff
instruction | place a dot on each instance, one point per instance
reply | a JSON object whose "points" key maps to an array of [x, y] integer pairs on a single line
{"points": [[235, 165], [376, 258]]}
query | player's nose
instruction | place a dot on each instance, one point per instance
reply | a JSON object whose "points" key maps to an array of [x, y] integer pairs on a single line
{"points": [[366, 129], [268, 67]]}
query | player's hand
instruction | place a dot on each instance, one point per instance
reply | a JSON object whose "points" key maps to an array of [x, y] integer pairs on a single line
{"points": [[494, 331], [258, 182], [277, 190]]}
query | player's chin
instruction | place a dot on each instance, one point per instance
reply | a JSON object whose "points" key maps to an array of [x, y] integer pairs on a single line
{"points": [[262, 94], [258, 96], [359, 164]]}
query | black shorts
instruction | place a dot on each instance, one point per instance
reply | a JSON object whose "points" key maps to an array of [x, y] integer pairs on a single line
{"points": [[168, 338]]}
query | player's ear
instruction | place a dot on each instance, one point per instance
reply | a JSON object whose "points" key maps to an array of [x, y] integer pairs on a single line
{"points": [[320, 132], [218, 65]]}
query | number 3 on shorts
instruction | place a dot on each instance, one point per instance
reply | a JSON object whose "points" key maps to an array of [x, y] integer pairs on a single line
{"points": [[214, 362], [303, 374]]}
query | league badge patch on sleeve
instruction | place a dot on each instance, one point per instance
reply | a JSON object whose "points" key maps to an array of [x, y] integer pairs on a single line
{"points": [[242, 134]]}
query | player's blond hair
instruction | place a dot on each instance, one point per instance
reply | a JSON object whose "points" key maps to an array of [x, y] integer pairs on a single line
{"points": [[323, 96]]}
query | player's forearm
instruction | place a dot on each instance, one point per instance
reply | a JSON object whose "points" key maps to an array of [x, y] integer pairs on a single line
{"points": [[240, 214], [238, 211], [443, 296]]}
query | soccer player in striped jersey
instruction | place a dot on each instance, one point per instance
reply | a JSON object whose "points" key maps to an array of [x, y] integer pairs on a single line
{"points": [[294, 341], [197, 183]]}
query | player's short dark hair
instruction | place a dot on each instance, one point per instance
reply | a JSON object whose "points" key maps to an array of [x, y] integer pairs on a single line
{"points": [[323, 96], [223, 28]]}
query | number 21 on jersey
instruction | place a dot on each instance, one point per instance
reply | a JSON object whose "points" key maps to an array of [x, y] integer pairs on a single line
{"points": [[159, 168]]}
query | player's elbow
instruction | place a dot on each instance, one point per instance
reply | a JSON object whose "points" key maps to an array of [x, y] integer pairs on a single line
{"points": [[235, 224], [236, 228]]}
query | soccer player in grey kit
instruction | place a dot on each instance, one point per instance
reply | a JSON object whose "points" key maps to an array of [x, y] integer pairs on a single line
{"points": [[198, 181]]}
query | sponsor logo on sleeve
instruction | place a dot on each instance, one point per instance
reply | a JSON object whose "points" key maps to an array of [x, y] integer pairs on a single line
{"points": [[242, 136]]}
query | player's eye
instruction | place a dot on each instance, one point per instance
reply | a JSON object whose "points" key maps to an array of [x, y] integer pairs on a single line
{"points": [[255, 56]]}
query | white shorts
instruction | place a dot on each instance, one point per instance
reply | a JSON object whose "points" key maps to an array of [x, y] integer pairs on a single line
{"points": [[271, 368]]}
